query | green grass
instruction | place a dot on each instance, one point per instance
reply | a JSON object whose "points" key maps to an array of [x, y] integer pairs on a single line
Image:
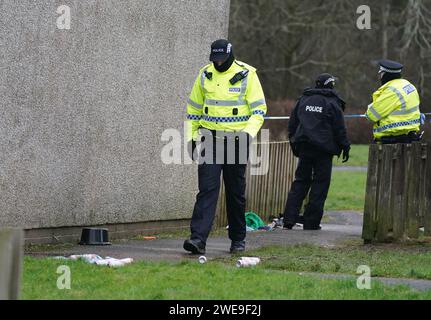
{"points": [[358, 157], [190, 280], [347, 191], [275, 278], [384, 261]]}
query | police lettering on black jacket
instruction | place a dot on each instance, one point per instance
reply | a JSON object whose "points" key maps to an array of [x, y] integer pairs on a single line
{"points": [[318, 120]]}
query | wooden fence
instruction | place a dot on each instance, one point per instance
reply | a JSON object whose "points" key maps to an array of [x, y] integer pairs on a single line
{"points": [[266, 193], [398, 192]]}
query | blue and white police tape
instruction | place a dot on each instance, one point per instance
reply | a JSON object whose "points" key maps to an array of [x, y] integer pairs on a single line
{"points": [[347, 116]]}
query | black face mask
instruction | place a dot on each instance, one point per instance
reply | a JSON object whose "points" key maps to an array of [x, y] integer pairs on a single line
{"points": [[322, 86], [389, 77], [225, 65]]}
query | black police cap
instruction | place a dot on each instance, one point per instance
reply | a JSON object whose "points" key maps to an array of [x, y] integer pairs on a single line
{"points": [[220, 50], [390, 66]]}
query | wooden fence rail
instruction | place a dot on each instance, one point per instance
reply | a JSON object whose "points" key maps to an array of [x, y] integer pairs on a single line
{"points": [[266, 193], [398, 192]]}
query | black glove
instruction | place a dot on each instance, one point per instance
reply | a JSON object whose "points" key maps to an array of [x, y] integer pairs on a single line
{"points": [[346, 155], [191, 146]]}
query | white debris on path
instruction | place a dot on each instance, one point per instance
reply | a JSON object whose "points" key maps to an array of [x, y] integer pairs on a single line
{"points": [[98, 260]]}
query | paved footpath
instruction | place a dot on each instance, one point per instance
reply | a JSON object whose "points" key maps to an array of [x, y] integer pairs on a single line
{"points": [[340, 226]]}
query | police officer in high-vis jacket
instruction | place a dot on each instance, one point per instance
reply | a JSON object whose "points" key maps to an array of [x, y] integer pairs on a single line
{"points": [[227, 101], [395, 107]]}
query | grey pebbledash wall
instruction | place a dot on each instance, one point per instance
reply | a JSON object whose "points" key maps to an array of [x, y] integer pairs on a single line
{"points": [[82, 110]]}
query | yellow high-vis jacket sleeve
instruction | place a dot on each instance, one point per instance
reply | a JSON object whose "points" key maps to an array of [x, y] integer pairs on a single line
{"points": [[256, 101], [194, 109], [384, 103]]}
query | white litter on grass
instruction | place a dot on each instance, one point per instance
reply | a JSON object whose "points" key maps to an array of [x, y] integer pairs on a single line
{"points": [[98, 260], [202, 259], [247, 262]]}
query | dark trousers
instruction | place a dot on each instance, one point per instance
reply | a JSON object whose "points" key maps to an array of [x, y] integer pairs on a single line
{"points": [[206, 200], [405, 138], [209, 189], [313, 175]]}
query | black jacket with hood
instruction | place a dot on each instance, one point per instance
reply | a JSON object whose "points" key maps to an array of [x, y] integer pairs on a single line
{"points": [[318, 120]]}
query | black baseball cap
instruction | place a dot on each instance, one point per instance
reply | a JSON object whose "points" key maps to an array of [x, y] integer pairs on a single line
{"points": [[220, 50], [325, 80]]}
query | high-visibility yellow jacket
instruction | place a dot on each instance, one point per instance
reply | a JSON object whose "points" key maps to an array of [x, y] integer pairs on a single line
{"points": [[395, 109], [216, 104]]}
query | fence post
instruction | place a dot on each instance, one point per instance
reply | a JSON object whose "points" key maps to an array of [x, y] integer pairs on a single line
{"points": [[384, 207], [413, 183], [11, 254], [398, 193], [427, 200], [370, 224]]}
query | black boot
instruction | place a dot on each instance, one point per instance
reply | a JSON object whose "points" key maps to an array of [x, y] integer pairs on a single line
{"points": [[194, 246], [237, 246], [288, 226]]}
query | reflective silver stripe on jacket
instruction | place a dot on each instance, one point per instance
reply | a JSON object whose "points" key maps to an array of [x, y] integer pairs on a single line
{"points": [[406, 111], [257, 103], [400, 96], [374, 112], [225, 103], [194, 104], [243, 88]]}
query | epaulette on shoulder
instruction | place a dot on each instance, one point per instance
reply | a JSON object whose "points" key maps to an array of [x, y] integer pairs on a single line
{"points": [[245, 66], [205, 67]]}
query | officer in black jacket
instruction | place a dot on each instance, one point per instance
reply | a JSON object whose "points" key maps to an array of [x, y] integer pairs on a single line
{"points": [[316, 133]]}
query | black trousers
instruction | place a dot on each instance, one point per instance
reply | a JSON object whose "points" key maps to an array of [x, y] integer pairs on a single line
{"points": [[313, 172], [405, 138], [209, 188]]}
